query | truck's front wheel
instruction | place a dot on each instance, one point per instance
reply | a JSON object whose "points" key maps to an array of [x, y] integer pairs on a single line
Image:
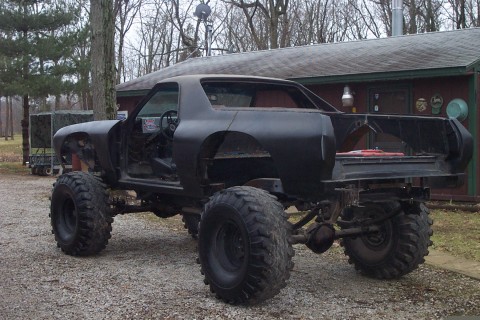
{"points": [[78, 214], [244, 246], [191, 222], [400, 245]]}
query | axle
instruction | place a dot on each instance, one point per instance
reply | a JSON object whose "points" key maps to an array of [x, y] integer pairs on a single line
{"points": [[319, 237]]}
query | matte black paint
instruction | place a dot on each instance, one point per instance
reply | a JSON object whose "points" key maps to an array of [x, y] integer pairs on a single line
{"points": [[301, 142]]}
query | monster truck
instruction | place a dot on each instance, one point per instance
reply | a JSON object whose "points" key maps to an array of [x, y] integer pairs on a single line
{"points": [[231, 153]]}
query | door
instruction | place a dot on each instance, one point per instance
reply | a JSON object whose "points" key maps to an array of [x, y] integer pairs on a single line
{"points": [[150, 135], [388, 100]]}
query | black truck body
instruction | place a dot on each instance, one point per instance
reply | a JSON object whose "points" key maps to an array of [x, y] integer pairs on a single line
{"points": [[301, 144], [196, 142]]}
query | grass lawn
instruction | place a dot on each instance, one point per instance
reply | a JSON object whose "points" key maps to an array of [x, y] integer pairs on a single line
{"points": [[11, 155], [11, 150], [457, 232]]}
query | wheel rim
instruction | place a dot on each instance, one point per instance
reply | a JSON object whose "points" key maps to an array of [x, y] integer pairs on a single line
{"points": [[67, 221], [228, 252], [230, 248], [380, 239], [372, 249]]}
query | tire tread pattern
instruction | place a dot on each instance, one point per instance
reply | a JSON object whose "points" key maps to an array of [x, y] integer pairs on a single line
{"points": [[412, 227], [271, 252], [94, 224]]}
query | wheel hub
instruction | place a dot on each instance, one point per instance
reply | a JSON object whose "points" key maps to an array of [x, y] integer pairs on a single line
{"points": [[230, 246]]}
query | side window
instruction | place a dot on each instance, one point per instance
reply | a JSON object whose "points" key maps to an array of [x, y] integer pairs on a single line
{"points": [[260, 95], [165, 99], [230, 95]]}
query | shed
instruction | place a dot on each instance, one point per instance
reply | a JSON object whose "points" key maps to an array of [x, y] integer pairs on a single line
{"points": [[424, 74]]}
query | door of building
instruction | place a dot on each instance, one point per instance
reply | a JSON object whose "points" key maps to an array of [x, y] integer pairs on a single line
{"points": [[388, 100]]}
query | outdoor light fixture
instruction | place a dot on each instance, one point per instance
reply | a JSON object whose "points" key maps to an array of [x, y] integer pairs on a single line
{"points": [[347, 97], [203, 11]]}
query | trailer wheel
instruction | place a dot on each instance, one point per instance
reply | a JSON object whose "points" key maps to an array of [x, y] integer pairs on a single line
{"points": [[244, 247], [78, 213], [398, 248]]}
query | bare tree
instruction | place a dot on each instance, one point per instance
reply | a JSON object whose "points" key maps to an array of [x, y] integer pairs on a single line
{"points": [[168, 32], [460, 14], [271, 13], [474, 13], [125, 11], [188, 30], [155, 38], [234, 36], [463, 13], [431, 14], [312, 21]]}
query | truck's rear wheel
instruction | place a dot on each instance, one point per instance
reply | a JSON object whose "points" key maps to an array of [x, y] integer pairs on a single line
{"points": [[400, 245], [78, 213], [244, 245]]}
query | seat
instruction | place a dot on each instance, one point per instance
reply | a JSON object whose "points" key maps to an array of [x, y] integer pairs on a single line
{"points": [[163, 167]]}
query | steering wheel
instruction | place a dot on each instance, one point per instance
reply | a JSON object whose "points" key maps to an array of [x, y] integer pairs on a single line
{"points": [[171, 117]]}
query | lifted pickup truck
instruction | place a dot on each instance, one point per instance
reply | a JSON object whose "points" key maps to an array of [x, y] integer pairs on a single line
{"points": [[232, 153]]}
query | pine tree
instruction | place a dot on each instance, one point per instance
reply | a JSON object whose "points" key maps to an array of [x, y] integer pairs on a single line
{"points": [[35, 46]]}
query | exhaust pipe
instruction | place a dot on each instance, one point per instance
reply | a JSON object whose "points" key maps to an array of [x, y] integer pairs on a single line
{"points": [[397, 17]]}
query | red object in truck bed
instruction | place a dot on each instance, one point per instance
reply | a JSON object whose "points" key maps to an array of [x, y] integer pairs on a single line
{"points": [[370, 153]]}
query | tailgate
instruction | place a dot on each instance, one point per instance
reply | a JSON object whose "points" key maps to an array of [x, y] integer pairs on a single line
{"points": [[350, 168]]}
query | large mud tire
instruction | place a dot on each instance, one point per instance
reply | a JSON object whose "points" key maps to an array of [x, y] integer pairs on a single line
{"points": [[399, 247], [78, 213], [244, 245]]}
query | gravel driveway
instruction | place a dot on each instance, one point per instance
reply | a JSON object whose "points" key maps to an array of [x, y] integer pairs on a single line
{"points": [[148, 271]]}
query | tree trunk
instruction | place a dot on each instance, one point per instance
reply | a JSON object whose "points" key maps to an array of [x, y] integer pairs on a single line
{"points": [[103, 60], [10, 106], [25, 123], [1, 124], [7, 118], [461, 23], [26, 108]]}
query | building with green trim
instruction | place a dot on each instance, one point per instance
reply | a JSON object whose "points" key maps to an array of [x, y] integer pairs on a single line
{"points": [[431, 74]]}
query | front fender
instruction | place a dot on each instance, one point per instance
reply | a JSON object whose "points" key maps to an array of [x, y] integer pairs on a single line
{"points": [[101, 134]]}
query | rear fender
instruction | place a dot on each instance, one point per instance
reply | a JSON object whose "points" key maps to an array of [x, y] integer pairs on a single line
{"points": [[233, 158]]}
